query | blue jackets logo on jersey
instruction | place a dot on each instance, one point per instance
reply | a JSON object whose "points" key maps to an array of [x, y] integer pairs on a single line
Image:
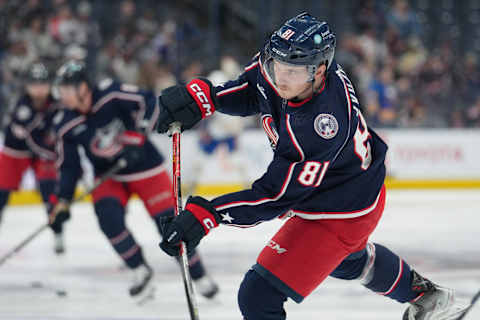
{"points": [[326, 125], [104, 143], [23, 113]]}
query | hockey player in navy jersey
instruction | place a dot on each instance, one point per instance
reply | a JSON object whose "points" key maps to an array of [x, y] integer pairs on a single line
{"points": [[29, 142], [326, 177], [112, 121]]}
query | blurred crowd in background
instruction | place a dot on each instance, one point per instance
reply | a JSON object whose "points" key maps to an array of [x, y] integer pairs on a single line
{"points": [[414, 63]]}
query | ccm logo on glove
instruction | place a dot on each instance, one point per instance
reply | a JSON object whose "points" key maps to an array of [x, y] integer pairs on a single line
{"points": [[200, 91]]}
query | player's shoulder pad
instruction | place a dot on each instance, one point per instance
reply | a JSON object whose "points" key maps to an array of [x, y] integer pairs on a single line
{"points": [[253, 63], [109, 85], [341, 83], [331, 118], [68, 122], [23, 112]]}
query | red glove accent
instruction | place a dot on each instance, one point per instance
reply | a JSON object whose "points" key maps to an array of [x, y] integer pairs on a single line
{"points": [[206, 219], [132, 138], [201, 93]]}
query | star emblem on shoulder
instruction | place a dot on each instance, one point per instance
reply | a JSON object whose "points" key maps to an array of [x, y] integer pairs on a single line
{"points": [[226, 217]]}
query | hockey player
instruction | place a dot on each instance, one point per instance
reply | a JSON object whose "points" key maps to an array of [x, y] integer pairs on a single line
{"points": [[111, 121], [29, 142], [326, 176]]}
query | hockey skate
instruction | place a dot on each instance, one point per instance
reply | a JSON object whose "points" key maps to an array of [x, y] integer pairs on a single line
{"points": [[58, 243], [436, 303], [142, 288], [206, 287]]}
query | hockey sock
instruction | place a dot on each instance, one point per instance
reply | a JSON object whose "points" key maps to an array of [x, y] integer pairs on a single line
{"points": [[259, 300], [195, 265], [111, 217], [47, 188], [390, 276], [3, 200]]}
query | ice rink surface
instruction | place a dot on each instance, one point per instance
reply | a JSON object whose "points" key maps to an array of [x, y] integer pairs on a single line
{"points": [[438, 232]]}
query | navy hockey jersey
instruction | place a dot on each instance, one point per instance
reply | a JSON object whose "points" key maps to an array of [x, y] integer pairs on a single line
{"points": [[115, 108], [30, 132], [327, 164]]}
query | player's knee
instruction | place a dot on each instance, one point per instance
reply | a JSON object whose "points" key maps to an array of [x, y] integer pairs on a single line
{"points": [[259, 300], [110, 214], [352, 266]]}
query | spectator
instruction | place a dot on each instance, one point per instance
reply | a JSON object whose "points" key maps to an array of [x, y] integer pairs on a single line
{"points": [[42, 42], [156, 43], [381, 99], [403, 20], [473, 114]]}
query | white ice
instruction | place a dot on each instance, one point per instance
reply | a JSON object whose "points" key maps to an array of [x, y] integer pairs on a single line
{"points": [[436, 231]]}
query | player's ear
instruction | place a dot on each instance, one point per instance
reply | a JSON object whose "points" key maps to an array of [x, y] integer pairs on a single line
{"points": [[320, 73], [321, 70], [83, 88]]}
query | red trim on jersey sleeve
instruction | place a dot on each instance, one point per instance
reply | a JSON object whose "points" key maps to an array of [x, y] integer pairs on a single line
{"points": [[201, 93], [206, 219], [232, 89], [251, 66], [264, 199]]}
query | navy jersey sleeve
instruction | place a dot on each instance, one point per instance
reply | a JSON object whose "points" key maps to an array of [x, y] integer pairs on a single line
{"points": [[68, 160], [293, 175], [139, 107], [238, 97]]}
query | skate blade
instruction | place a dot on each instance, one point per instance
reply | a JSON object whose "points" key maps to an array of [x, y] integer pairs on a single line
{"points": [[463, 312], [146, 296], [456, 314]]}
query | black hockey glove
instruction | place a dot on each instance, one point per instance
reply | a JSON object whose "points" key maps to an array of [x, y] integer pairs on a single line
{"points": [[190, 226], [58, 212], [133, 147], [187, 104]]}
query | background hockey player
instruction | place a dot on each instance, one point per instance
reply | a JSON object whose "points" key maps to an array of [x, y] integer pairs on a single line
{"points": [[29, 143], [111, 121], [327, 176]]}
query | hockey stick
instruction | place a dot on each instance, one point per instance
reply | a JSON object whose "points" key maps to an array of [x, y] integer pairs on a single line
{"points": [[121, 163], [472, 303], [187, 279]]}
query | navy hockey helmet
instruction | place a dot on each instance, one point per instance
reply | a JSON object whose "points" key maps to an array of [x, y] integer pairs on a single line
{"points": [[37, 73], [72, 72], [302, 40]]}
